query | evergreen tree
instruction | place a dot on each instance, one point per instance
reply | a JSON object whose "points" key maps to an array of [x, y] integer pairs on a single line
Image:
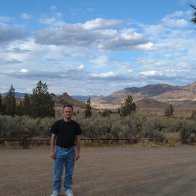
{"points": [[169, 110], [10, 102], [194, 14], [27, 105], [88, 111], [128, 106], [42, 104], [106, 113], [19, 109], [1, 104], [193, 115]]}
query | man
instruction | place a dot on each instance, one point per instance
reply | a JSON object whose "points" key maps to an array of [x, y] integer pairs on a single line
{"points": [[65, 150]]}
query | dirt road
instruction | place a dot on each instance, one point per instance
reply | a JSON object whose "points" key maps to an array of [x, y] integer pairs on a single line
{"points": [[112, 171]]}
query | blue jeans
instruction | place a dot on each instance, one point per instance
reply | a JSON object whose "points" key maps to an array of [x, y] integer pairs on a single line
{"points": [[65, 157]]}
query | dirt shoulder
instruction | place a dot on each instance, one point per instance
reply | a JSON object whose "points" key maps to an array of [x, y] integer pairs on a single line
{"points": [[115, 171]]}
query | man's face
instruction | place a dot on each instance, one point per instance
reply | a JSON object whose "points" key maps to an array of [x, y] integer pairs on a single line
{"points": [[67, 112]]}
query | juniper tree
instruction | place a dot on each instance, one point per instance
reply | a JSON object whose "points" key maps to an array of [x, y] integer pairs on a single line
{"points": [[27, 105], [169, 110], [194, 14], [88, 111], [42, 104], [128, 106], [10, 102], [1, 104], [19, 109]]}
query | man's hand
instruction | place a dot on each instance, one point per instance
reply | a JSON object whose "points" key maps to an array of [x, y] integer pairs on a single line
{"points": [[52, 155], [77, 156], [52, 146]]}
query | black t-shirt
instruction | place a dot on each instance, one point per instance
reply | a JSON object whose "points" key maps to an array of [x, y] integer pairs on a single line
{"points": [[66, 132]]}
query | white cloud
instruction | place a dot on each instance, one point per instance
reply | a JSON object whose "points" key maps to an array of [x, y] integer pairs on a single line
{"points": [[177, 19], [97, 52], [100, 60], [100, 23], [92, 34], [150, 73], [103, 75], [26, 16], [81, 67], [148, 46], [53, 22], [23, 70], [175, 22], [9, 33]]}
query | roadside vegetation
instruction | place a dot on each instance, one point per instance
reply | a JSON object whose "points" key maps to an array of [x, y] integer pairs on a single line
{"points": [[34, 116]]}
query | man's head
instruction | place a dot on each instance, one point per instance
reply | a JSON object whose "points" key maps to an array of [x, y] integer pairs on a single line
{"points": [[67, 111]]}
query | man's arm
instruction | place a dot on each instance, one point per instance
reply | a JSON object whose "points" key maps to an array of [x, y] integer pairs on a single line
{"points": [[77, 156], [52, 146]]}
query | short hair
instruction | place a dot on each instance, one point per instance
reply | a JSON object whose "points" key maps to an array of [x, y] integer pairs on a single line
{"points": [[68, 105]]}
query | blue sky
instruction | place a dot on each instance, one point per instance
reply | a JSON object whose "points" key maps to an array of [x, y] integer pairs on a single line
{"points": [[86, 47]]}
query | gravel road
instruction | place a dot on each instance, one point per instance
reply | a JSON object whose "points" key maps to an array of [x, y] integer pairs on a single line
{"points": [[105, 171]]}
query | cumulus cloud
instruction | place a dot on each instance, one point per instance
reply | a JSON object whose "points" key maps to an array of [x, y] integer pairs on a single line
{"points": [[102, 60], [81, 67], [93, 34], [174, 22], [147, 46], [150, 73], [9, 33], [26, 16], [103, 75], [98, 52], [100, 23], [23, 70]]}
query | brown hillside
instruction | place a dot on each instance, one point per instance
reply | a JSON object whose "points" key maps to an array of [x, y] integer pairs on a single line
{"points": [[66, 99], [177, 95], [160, 92], [150, 103]]}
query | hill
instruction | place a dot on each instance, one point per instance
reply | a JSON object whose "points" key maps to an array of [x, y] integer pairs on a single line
{"points": [[17, 94], [149, 103], [66, 99], [59, 100], [181, 96], [83, 98]]}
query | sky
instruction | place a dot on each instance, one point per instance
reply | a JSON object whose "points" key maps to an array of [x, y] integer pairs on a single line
{"points": [[96, 47]]}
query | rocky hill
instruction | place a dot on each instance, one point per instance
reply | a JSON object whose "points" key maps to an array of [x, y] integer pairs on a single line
{"points": [[156, 95], [149, 103], [178, 95], [66, 99]]}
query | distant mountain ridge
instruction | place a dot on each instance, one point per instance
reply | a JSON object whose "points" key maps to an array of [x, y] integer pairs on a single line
{"points": [[84, 97], [157, 94], [152, 89], [66, 99], [17, 94], [59, 100], [152, 95]]}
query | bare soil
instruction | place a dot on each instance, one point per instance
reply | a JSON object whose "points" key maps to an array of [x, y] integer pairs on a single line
{"points": [[110, 171]]}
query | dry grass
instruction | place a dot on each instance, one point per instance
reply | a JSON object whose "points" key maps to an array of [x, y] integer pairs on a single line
{"points": [[178, 112], [116, 171]]}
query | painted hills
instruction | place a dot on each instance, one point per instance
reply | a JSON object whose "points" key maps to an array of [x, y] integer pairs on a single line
{"points": [[149, 96], [153, 95], [66, 99]]}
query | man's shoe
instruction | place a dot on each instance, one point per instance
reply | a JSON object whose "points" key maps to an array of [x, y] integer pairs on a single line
{"points": [[69, 192], [55, 193]]}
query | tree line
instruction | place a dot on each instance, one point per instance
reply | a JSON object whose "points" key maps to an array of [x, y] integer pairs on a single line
{"points": [[39, 104]]}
